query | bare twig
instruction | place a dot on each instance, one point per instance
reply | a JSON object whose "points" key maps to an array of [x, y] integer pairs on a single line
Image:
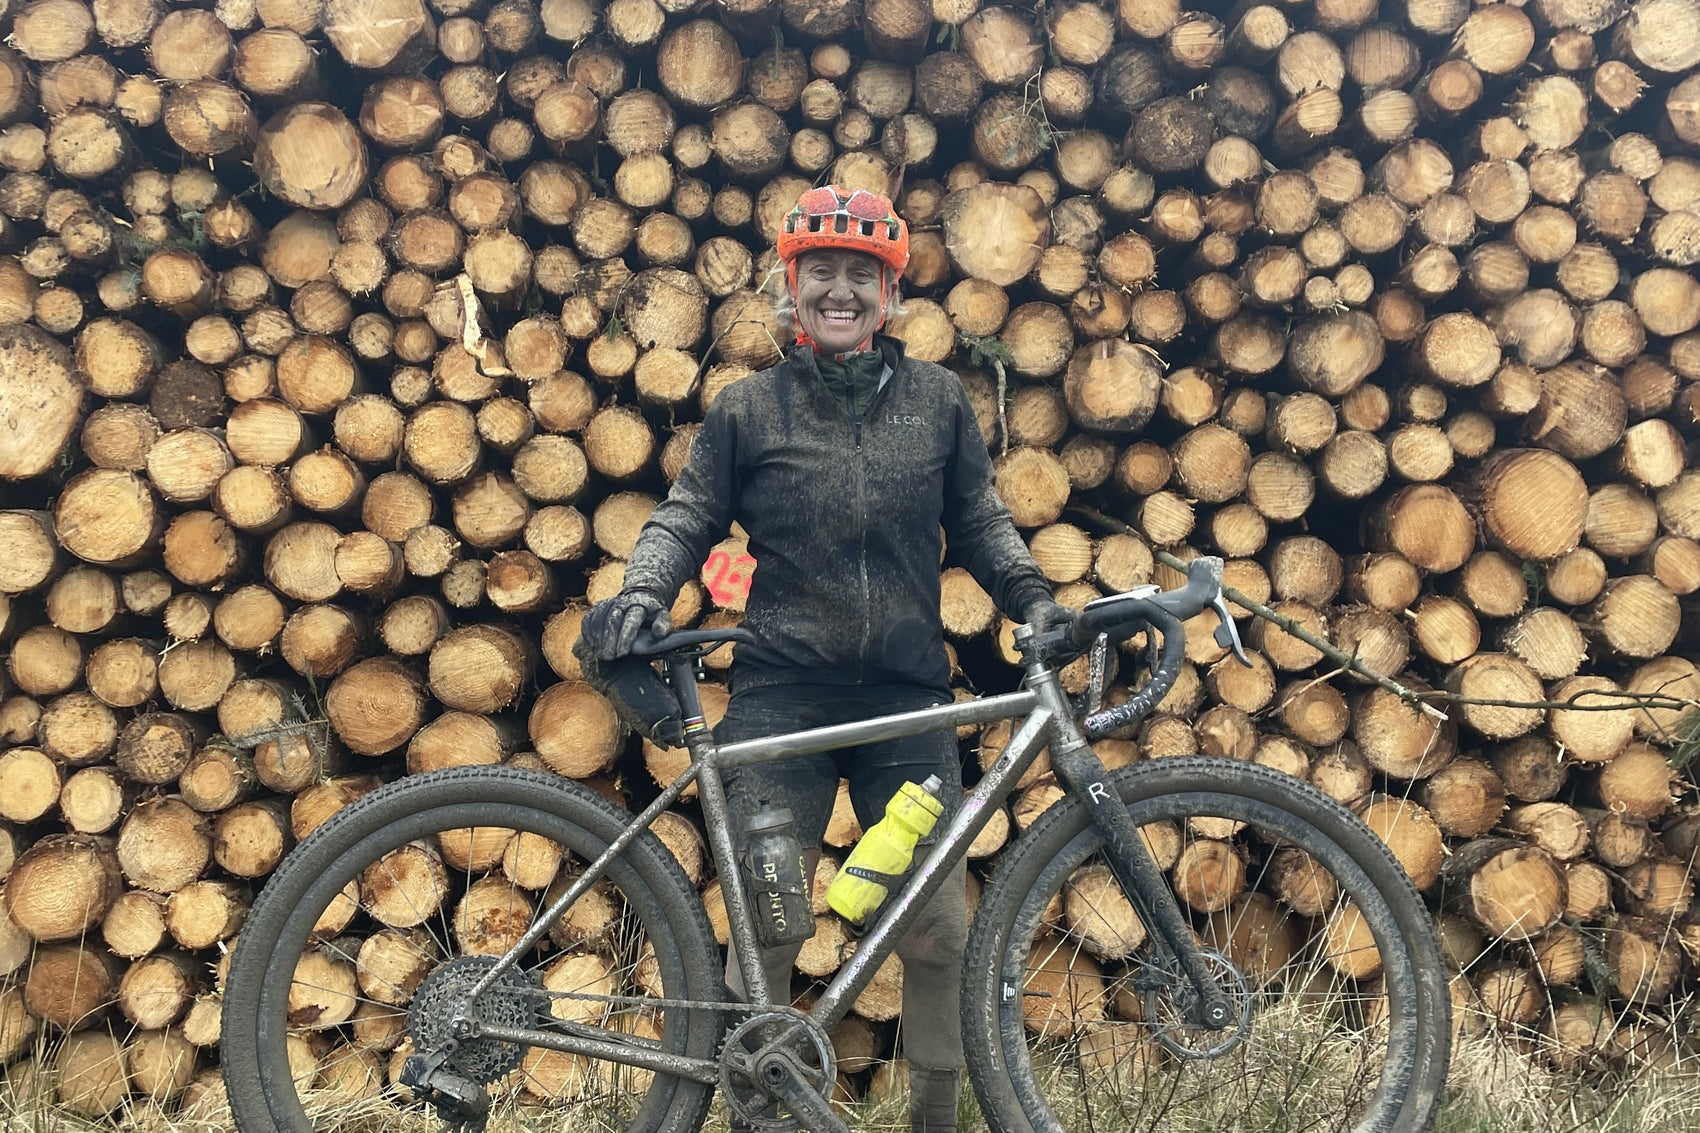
{"points": [[285, 730], [1605, 700], [708, 352], [1329, 649], [1632, 699]]}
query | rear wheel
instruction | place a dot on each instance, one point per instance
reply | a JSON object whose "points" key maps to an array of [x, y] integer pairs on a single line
{"points": [[1341, 1012], [365, 940]]}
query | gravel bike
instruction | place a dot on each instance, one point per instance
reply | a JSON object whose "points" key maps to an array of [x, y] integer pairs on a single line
{"points": [[1191, 943]]}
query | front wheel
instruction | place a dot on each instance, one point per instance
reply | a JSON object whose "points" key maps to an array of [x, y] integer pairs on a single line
{"points": [[1341, 1016], [363, 942]]}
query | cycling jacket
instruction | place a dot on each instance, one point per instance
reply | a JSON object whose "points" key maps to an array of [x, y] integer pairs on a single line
{"points": [[844, 515]]}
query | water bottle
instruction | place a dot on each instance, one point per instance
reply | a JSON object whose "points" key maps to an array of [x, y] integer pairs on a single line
{"points": [[883, 855], [779, 893]]}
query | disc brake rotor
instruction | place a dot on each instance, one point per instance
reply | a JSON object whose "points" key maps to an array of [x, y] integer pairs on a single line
{"points": [[1169, 1011]]}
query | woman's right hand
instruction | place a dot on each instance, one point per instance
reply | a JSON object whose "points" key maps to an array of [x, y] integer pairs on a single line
{"points": [[612, 626]]}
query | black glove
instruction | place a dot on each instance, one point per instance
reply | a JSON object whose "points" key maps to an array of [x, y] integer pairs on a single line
{"points": [[1046, 614], [611, 628]]}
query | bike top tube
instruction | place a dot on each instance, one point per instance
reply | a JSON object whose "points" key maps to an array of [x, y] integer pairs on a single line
{"points": [[981, 710]]}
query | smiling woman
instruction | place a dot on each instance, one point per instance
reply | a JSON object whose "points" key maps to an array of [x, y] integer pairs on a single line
{"points": [[841, 298], [849, 464], [843, 253]]}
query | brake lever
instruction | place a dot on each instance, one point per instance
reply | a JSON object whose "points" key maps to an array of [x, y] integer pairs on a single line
{"points": [[1227, 633]]}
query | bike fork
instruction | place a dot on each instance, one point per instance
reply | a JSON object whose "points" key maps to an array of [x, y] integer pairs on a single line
{"points": [[1080, 770]]}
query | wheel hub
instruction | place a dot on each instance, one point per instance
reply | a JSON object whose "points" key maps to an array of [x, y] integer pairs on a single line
{"points": [[1171, 1006], [512, 1001], [749, 1092]]}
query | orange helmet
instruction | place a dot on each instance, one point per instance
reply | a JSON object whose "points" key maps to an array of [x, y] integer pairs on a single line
{"points": [[831, 217]]}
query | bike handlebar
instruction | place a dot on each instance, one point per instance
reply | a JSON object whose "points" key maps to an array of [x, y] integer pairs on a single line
{"points": [[1163, 676], [688, 641], [1104, 615], [1120, 616]]}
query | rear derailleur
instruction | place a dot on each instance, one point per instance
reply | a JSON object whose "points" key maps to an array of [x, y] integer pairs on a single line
{"points": [[462, 1104]]}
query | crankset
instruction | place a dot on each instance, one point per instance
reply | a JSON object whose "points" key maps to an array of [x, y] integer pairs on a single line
{"points": [[776, 1058]]}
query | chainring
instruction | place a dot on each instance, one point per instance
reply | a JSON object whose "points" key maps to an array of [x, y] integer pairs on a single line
{"points": [[767, 1028], [512, 1001]]}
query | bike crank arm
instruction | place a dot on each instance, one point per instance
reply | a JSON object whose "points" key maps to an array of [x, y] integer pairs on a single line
{"points": [[786, 1079]]}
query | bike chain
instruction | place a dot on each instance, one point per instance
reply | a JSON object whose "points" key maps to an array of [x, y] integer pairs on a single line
{"points": [[649, 1001]]}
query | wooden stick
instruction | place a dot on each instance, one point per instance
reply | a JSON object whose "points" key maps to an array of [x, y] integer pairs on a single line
{"points": [[1338, 656]]}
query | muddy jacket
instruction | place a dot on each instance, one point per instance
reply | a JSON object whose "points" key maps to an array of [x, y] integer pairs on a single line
{"points": [[844, 518]]}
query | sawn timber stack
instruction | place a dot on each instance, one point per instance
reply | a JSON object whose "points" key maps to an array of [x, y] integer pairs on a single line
{"points": [[346, 346]]}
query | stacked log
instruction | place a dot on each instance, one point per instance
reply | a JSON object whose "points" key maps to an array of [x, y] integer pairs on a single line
{"points": [[345, 349]]}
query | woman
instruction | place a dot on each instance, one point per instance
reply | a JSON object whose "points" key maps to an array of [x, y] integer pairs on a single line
{"points": [[843, 463]]}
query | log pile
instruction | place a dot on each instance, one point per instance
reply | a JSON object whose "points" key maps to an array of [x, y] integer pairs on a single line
{"points": [[345, 348]]}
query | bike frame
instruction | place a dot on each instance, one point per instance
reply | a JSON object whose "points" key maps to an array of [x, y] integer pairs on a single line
{"points": [[1047, 720]]}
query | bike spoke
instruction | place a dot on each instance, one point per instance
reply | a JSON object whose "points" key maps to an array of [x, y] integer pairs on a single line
{"points": [[1315, 1040], [354, 1002]]}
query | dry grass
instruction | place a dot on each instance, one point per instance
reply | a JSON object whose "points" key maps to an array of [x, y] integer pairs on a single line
{"points": [[1495, 1088]]}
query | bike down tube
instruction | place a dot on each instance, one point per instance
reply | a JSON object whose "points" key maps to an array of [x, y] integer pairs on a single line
{"points": [[717, 818], [998, 781], [1085, 778]]}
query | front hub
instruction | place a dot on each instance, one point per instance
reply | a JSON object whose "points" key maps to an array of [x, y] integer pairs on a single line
{"points": [[1187, 1028]]}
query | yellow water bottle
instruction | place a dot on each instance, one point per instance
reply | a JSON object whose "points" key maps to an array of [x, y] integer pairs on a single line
{"points": [[883, 855]]}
